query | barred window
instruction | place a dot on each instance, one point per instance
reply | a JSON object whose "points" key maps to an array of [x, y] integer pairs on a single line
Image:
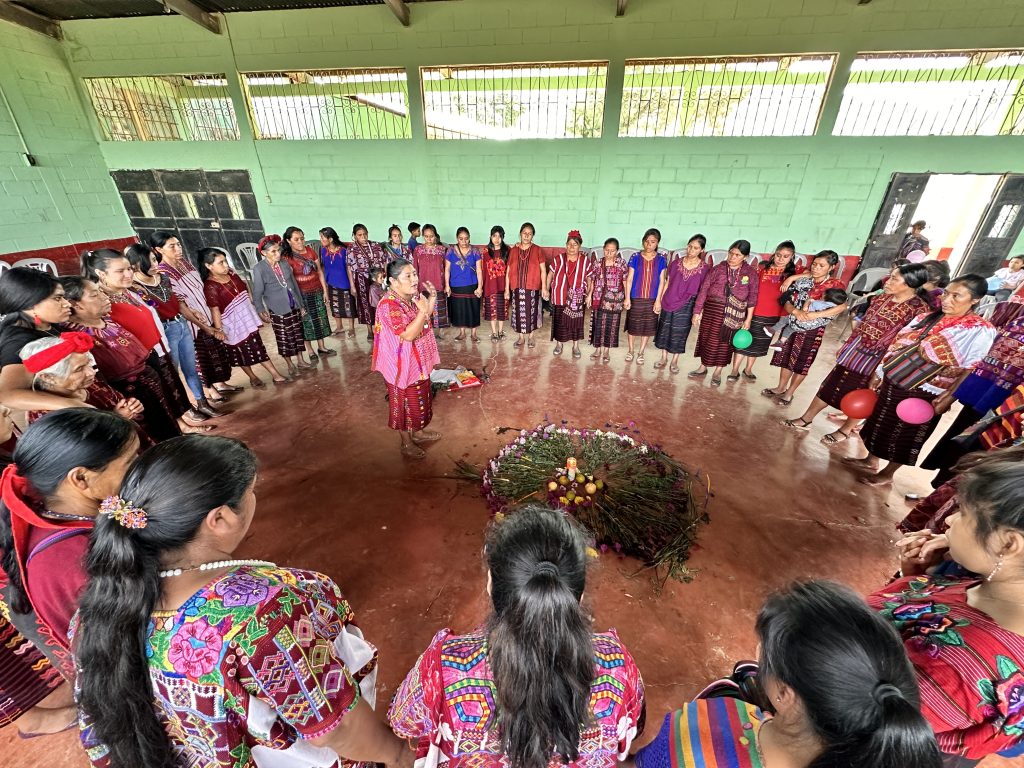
{"points": [[934, 93], [558, 100], [725, 96], [163, 108], [329, 104]]}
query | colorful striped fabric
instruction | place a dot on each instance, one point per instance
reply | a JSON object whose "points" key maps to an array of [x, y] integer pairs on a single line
{"points": [[709, 733]]}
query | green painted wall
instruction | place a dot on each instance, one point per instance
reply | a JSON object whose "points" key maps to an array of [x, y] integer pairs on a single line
{"points": [[69, 196], [822, 191]]}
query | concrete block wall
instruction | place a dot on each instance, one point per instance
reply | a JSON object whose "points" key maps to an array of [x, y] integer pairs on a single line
{"points": [[68, 197]]}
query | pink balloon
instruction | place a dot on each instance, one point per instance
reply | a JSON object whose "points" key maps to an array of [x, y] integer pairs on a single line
{"points": [[914, 410]]}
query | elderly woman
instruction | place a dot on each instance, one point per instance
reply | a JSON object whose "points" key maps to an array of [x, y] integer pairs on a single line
{"points": [[725, 304], [684, 278], [429, 261], [903, 298], [800, 350], [926, 361], [361, 258], [404, 353], [570, 281], [645, 283], [773, 273], [606, 300], [463, 285], [278, 301], [525, 285]]}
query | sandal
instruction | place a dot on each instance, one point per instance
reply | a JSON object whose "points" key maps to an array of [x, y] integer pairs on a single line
{"points": [[629, 357], [596, 355], [770, 392], [501, 335], [640, 359], [413, 451], [749, 376], [674, 368], [313, 356], [258, 384], [698, 374], [284, 380], [351, 334], [475, 339], [803, 426], [195, 415], [531, 343], [607, 358], [835, 438], [733, 377], [518, 343], [783, 401], [494, 337], [659, 365], [557, 350], [426, 436], [328, 352], [227, 388], [195, 429], [715, 381]]}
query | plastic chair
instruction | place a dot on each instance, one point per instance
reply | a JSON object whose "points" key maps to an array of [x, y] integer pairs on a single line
{"points": [[717, 256], [627, 253], [43, 265], [986, 307], [248, 255], [4, 266], [801, 260], [866, 278]]}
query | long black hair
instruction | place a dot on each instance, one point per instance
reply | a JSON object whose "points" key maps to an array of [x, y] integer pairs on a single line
{"points": [[207, 257], [503, 249], [74, 287], [138, 255], [49, 449], [976, 285], [994, 490], [332, 234], [850, 670], [286, 246], [21, 288], [790, 268], [743, 246], [92, 261], [177, 482], [541, 647], [915, 276]]}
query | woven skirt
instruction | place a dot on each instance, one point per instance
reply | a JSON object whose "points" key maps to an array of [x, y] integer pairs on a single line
{"points": [[799, 351], [213, 360], [566, 325], [343, 304], [363, 309], [890, 438], [711, 349], [410, 409], [1005, 312], [315, 324], [170, 380], [840, 382], [26, 675], [759, 346], [495, 307], [640, 318], [604, 328], [525, 313], [948, 451], [464, 307], [249, 351], [674, 328], [159, 415], [288, 333]]}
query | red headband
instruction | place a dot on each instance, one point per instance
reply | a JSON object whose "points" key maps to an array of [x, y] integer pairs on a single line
{"points": [[69, 343], [269, 240], [575, 235]]}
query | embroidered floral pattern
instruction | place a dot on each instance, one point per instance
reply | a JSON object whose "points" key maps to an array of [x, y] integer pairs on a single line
{"points": [[242, 589], [195, 649]]}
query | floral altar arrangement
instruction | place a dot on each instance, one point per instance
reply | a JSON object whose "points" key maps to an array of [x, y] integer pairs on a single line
{"points": [[631, 495]]}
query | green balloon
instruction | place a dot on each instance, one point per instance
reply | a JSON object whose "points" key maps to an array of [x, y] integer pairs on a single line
{"points": [[742, 339]]}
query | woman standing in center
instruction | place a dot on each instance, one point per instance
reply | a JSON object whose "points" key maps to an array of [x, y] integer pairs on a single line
{"points": [[606, 299], [494, 266], [309, 274], [569, 283], [463, 284], [527, 277], [684, 278], [724, 305], [645, 283], [429, 261]]}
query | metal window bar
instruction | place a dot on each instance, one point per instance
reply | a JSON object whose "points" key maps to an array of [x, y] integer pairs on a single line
{"points": [[553, 100], [934, 93], [725, 96], [163, 108], [329, 104]]}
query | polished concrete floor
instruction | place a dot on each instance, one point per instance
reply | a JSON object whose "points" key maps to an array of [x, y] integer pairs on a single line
{"points": [[404, 539]]}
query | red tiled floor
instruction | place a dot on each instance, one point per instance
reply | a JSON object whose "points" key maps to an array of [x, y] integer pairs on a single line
{"points": [[403, 540]]}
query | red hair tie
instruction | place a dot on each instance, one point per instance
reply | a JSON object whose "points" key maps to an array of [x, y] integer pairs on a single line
{"points": [[269, 240], [575, 235], [69, 343]]}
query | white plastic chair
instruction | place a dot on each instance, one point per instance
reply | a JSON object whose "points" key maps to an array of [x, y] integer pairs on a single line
{"points": [[248, 255], [717, 256], [43, 265], [987, 306], [801, 260], [866, 278], [4, 266], [627, 253]]}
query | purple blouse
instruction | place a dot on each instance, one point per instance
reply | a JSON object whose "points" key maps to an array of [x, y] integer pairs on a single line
{"points": [[683, 284], [743, 283]]}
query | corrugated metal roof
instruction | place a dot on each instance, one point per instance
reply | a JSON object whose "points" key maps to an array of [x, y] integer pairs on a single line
{"points": [[68, 10]]}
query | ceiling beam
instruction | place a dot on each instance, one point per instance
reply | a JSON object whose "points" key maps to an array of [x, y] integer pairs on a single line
{"points": [[25, 18], [400, 9], [193, 12], [620, 7]]}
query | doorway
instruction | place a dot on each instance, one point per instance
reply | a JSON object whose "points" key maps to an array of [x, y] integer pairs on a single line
{"points": [[973, 220]]}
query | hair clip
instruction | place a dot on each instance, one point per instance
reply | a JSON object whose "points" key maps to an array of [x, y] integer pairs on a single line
{"points": [[124, 512]]}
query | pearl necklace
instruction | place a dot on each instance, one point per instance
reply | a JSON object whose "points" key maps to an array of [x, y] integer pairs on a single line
{"points": [[214, 566]]}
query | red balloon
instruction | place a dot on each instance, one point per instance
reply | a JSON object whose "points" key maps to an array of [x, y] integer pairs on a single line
{"points": [[859, 404]]}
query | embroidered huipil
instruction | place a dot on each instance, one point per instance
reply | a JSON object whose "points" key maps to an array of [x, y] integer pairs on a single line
{"points": [[401, 363], [494, 269], [428, 260], [742, 283], [569, 281], [609, 284], [683, 284], [447, 704], [306, 268], [364, 257]]}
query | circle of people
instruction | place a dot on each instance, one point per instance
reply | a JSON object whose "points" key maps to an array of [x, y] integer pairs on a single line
{"points": [[118, 532]]}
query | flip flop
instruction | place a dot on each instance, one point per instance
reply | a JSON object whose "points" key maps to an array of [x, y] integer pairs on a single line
{"points": [[733, 377], [629, 357], [674, 368], [698, 374], [715, 381], [531, 343], [195, 429], [659, 365], [803, 426], [832, 439], [227, 388], [427, 437], [413, 452], [577, 353], [749, 376], [258, 384], [770, 393], [328, 352]]}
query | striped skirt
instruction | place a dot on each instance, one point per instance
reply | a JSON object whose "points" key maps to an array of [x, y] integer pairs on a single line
{"points": [[674, 328], [711, 349], [213, 360], [343, 304], [640, 318], [759, 346], [604, 328], [288, 333], [315, 324], [566, 324], [525, 314], [440, 318], [495, 307], [159, 417], [26, 675], [890, 438], [464, 307], [249, 351], [841, 382], [799, 351], [410, 409], [170, 380], [363, 309]]}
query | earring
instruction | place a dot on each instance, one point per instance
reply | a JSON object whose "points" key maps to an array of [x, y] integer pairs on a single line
{"points": [[36, 320], [999, 564]]}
